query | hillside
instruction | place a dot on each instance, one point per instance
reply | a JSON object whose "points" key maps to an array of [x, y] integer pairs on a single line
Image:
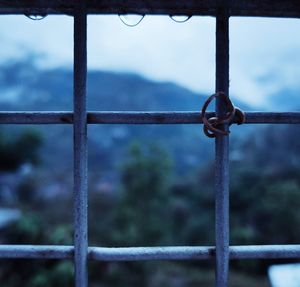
{"points": [[25, 87]]}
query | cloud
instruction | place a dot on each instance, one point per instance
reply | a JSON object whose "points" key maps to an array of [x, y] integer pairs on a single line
{"points": [[263, 52]]}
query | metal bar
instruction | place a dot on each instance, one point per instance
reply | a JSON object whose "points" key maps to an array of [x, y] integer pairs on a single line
{"points": [[80, 146], [192, 117], [264, 8], [264, 251], [222, 154], [36, 251], [193, 253], [150, 253], [36, 118]]}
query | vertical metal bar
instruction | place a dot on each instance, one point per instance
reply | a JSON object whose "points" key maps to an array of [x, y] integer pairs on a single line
{"points": [[80, 145], [222, 154]]}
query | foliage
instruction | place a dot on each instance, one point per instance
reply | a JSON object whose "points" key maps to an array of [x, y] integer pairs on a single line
{"points": [[153, 207], [143, 209], [15, 151], [31, 229], [265, 189]]}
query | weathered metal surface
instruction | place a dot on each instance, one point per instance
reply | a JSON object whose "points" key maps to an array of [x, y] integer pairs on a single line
{"points": [[268, 8], [222, 154], [36, 251], [36, 118], [80, 146], [272, 118], [265, 251], [149, 253], [193, 253]]}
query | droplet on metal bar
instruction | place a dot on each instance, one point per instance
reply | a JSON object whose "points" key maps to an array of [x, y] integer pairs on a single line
{"points": [[180, 18], [131, 20], [36, 17]]}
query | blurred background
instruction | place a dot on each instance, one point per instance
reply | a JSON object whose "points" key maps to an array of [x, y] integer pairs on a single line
{"points": [[148, 185]]}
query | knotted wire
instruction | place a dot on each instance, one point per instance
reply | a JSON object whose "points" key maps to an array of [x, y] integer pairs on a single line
{"points": [[213, 126]]}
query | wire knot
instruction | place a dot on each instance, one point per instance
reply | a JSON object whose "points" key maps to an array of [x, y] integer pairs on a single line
{"points": [[213, 126]]}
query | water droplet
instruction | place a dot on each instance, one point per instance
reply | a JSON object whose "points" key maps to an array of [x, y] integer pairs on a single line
{"points": [[131, 20], [36, 17], [180, 18]]}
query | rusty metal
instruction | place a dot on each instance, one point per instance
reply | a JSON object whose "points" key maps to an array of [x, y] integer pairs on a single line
{"points": [[212, 126]]}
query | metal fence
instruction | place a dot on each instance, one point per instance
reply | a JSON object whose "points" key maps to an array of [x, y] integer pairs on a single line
{"points": [[79, 118]]}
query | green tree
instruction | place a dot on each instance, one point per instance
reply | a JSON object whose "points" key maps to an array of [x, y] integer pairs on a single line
{"points": [[32, 229], [143, 217]]}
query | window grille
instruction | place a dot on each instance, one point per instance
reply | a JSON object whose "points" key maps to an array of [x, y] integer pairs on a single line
{"points": [[79, 118]]}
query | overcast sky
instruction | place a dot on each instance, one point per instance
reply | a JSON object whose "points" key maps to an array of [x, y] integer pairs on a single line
{"points": [[265, 53]]}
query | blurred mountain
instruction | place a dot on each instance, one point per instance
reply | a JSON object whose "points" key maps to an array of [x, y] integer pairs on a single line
{"points": [[25, 87], [286, 99]]}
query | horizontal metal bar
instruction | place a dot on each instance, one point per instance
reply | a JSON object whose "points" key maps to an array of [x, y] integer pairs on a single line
{"points": [[150, 253], [264, 251], [265, 8], [36, 251], [37, 118]]}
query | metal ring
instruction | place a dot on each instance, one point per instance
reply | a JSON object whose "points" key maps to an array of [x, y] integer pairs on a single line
{"points": [[211, 125]]}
